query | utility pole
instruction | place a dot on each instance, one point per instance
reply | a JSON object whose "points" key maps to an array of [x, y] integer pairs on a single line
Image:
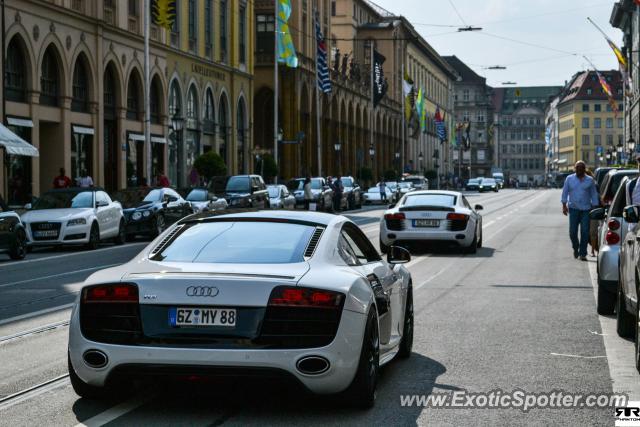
{"points": [[147, 93]]}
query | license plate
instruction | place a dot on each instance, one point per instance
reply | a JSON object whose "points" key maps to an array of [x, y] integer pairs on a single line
{"points": [[48, 233], [202, 316], [426, 223]]}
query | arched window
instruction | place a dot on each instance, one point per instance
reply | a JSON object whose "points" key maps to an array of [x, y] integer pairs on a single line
{"points": [[15, 74], [175, 103], [222, 126], [80, 101], [154, 100], [49, 79], [209, 112], [241, 126], [133, 96], [192, 108]]}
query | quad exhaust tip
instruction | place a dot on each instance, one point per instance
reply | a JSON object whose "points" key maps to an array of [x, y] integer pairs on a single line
{"points": [[313, 365], [95, 358]]}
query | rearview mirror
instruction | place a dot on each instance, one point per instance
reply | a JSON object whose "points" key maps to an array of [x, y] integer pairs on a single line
{"points": [[598, 214], [28, 206], [478, 207], [631, 214], [101, 204], [398, 255]]}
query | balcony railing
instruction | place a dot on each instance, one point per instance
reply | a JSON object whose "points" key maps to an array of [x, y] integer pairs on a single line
{"points": [[132, 25]]}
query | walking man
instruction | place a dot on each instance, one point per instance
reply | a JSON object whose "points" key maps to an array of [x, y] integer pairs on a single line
{"points": [[579, 195]]}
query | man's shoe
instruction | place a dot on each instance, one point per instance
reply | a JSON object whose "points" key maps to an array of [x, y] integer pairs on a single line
{"points": [[575, 254], [583, 258]]}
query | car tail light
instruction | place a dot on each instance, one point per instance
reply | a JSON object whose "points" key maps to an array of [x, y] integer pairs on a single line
{"points": [[612, 238], [119, 293], [304, 297], [613, 224], [398, 215], [457, 216]]}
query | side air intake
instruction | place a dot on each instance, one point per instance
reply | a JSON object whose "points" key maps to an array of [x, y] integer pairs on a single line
{"points": [[165, 242], [313, 242]]}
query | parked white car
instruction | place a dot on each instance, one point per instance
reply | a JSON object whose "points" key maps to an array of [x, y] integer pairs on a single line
{"points": [[280, 197], [73, 216], [373, 195]]}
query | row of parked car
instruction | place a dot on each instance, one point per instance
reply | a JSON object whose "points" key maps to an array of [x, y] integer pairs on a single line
{"points": [[618, 263]]}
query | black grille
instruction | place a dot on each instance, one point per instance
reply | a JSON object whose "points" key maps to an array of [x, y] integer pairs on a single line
{"points": [[313, 242], [111, 323], [395, 224], [165, 242], [457, 225], [51, 228], [299, 327]]}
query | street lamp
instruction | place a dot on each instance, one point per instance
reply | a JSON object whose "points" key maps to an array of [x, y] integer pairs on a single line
{"points": [[338, 146], [620, 150], [608, 156], [177, 122], [631, 145]]}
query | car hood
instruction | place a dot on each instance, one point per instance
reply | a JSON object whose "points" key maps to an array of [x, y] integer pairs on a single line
{"points": [[55, 214], [236, 195], [139, 206]]}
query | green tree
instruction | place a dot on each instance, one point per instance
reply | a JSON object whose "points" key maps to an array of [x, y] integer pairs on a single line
{"points": [[210, 164], [270, 168]]}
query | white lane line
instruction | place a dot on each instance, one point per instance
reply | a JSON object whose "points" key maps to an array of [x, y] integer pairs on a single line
{"points": [[432, 277], [35, 314], [52, 276], [619, 352], [28, 261], [577, 356], [115, 412]]}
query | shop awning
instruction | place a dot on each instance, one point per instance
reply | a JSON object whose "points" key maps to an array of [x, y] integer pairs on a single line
{"points": [[159, 139], [83, 130], [136, 137], [13, 144], [25, 123]]}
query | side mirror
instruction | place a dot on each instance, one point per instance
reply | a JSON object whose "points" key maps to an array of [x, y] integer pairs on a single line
{"points": [[391, 206], [254, 189], [478, 207], [213, 199], [172, 199], [398, 255], [28, 206], [631, 214], [598, 214], [101, 204]]}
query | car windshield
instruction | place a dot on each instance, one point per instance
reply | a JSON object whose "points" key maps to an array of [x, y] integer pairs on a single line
{"points": [[238, 184], [153, 196], [64, 200], [474, 181], [429, 201], [489, 181], [405, 185], [198, 196], [347, 182], [129, 198], [616, 179], [274, 192], [240, 242]]}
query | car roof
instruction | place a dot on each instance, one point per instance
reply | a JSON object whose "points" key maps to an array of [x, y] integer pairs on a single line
{"points": [[439, 192], [319, 218]]}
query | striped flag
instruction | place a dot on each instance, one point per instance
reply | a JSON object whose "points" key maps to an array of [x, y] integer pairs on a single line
{"points": [[322, 69], [441, 128], [286, 52]]}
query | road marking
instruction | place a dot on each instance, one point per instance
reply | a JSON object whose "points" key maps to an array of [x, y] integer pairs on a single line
{"points": [[34, 391], [115, 412], [28, 261], [619, 352], [68, 273], [577, 356], [36, 313], [36, 330]]}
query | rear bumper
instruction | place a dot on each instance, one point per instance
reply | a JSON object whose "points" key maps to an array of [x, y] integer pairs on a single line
{"points": [[389, 237], [608, 257], [343, 355]]}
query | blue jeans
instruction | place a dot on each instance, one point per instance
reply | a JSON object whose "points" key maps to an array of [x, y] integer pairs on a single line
{"points": [[578, 217]]}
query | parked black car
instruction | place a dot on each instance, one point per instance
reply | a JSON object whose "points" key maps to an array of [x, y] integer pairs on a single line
{"points": [[247, 191], [473, 184], [353, 192], [148, 211], [13, 238]]}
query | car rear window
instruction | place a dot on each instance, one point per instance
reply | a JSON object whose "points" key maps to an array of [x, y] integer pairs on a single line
{"points": [[429, 200], [239, 242], [616, 179]]}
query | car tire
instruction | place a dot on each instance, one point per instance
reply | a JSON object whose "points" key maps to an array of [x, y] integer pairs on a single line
{"points": [[606, 303], [406, 344], [121, 238], [159, 225], [94, 237], [624, 320], [473, 247], [18, 249], [383, 248], [91, 392], [362, 391], [480, 239]]}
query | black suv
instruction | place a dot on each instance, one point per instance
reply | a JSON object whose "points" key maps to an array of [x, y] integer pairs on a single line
{"points": [[246, 191], [13, 238]]}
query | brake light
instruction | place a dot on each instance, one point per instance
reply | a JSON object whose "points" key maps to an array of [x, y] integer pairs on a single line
{"points": [[457, 216], [613, 224], [612, 238], [304, 297], [121, 292], [398, 215]]}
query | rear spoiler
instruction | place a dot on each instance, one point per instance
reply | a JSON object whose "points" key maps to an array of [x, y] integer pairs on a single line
{"points": [[427, 208]]}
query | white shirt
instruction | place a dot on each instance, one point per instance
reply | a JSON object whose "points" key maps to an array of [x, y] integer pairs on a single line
{"points": [[85, 182]]}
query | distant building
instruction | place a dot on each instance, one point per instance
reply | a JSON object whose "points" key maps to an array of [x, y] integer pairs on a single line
{"points": [[472, 100], [519, 137], [588, 127]]}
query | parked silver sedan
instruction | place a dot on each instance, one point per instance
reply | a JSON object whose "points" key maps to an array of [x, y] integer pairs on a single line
{"points": [[204, 201], [280, 197]]}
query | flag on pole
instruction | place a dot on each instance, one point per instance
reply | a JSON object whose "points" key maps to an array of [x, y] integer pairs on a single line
{"points": [[407, 91], [164, 13], [379, 81], [441, 128], [453, 139], [322, 69], [622, 60], [423, 116], [420, 106], [286, 51]]}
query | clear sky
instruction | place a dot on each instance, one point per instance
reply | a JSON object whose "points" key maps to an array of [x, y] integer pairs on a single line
{"points": [[559, 28]]}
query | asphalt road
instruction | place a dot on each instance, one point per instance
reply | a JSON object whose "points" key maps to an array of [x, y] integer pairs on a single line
{"points": [[520, 314]]}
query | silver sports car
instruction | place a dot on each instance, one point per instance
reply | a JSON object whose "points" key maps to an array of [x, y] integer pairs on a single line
{"points": [[301, 295]]}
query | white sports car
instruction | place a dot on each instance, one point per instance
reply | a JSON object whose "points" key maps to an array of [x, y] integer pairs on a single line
{"points": [[373, 195], [432, 217], [74, 216], [300, 295]]}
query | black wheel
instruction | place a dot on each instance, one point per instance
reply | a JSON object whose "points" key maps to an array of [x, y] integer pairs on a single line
{"points": [[480, 239], [362, 391], [606, 303], [473, 247], [383, 248], [94, 237], [624, 320], [121, 238], [406, 344], [18, 249], [88, 391], [158, 225]]}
